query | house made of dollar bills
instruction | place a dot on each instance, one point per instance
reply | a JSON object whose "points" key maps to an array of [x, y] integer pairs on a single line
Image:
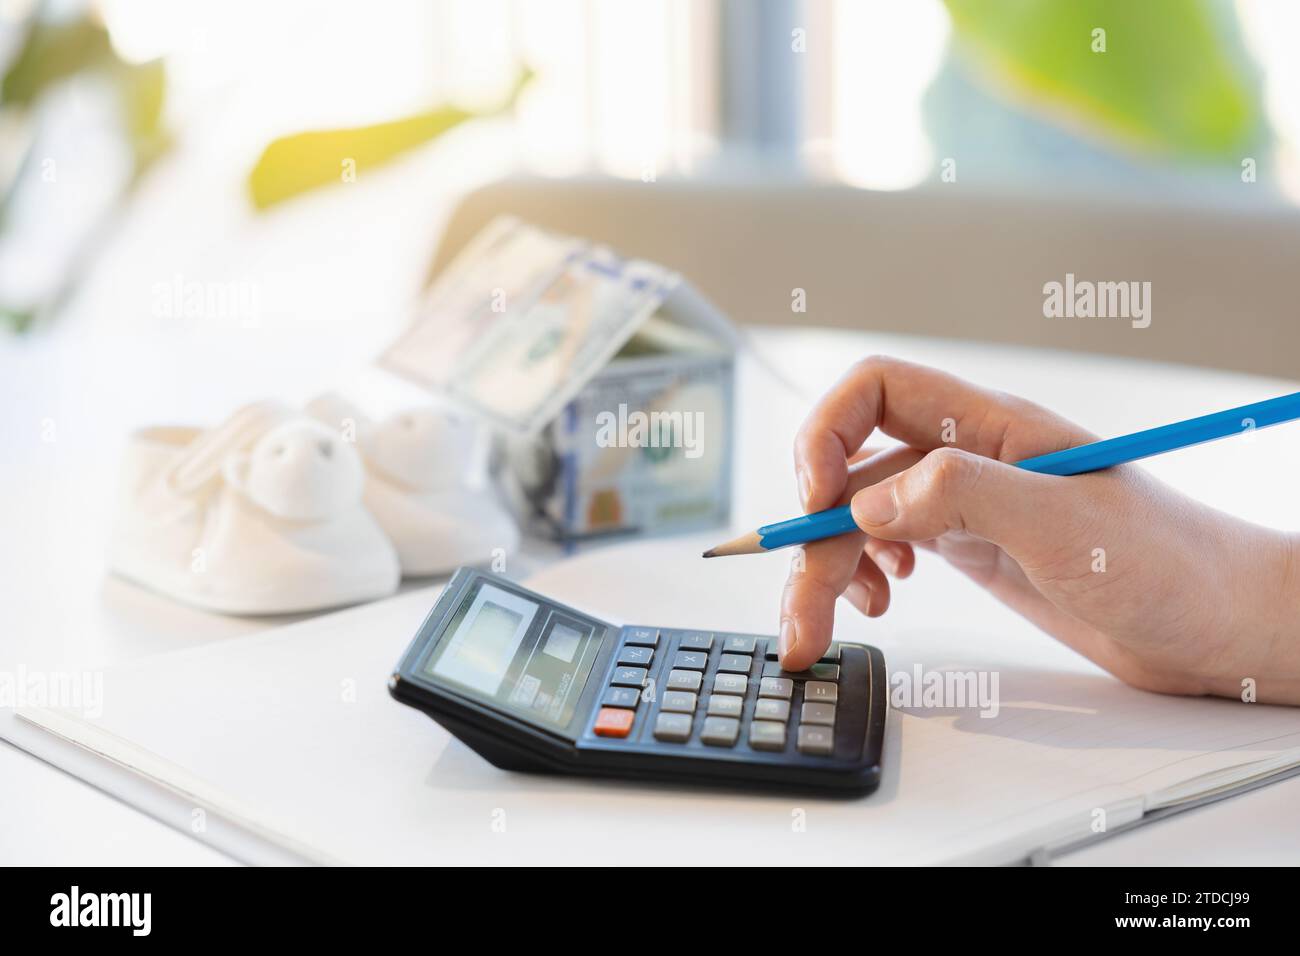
{"points": [[608, 381]]}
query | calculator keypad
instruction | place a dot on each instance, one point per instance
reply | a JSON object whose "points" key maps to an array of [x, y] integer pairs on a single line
{"points": [[732, 682]]}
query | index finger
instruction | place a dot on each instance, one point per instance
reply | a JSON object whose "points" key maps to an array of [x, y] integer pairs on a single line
{"points": [[820, 576]]}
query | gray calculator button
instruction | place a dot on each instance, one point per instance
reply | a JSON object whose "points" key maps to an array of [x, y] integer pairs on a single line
{"points": [[766, 735], [720, 731], [779, 687], [821, 692], [673, 727], [695, 641], [648, 636], [684, 680], [819, 741], [621, 697], [730, 684], [818, 671], [691, 660], [641, 656], [768, 709], [724, 705], [738, 644], [823, 714], [736, 663], [629, 676], [680, 701]]}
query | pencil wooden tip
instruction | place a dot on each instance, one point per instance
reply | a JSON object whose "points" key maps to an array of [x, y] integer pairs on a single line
{"points": [[745, 544]]}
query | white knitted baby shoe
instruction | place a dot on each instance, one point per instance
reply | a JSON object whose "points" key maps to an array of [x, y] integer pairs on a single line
{"points": [[261, 515]]}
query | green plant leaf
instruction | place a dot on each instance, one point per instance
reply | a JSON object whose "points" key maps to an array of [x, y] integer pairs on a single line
{"points": [[295, 164], [1166, 81]]}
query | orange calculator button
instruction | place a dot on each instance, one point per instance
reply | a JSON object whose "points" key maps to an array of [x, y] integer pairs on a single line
{"points": [[614, 722]]}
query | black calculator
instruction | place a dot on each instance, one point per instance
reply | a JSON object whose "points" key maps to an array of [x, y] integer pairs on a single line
{"points": [[532, 685]]}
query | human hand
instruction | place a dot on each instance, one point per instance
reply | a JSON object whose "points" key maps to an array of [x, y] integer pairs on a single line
{"points": [[1165, 593]]}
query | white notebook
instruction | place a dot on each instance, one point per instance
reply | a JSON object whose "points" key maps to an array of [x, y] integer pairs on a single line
{"points": [[290, 737]]}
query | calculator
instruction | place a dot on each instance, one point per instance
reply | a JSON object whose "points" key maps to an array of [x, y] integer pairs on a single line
{"points": [[533, 685]]}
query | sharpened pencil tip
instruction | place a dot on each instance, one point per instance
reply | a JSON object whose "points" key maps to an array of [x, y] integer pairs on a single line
{"points": [[708, 554]]}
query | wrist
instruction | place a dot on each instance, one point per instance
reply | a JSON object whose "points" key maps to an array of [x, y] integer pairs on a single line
{"points": [[1262, 650]]}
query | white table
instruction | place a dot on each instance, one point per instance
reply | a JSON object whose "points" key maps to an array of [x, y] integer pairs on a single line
{"points": [[63, 613]]}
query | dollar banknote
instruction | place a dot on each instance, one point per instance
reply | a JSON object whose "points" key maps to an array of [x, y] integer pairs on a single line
{"points": [[522, 319]]}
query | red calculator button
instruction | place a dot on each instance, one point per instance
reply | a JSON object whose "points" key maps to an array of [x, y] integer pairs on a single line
{"points": [[614, 722]]}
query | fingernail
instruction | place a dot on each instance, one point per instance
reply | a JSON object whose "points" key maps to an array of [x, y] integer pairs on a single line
{"points": [[888, 562], [805, 486], [787, 639], [875, 505]]}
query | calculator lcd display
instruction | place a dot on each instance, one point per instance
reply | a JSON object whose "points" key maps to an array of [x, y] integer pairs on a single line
{"points": [[527, 657]]}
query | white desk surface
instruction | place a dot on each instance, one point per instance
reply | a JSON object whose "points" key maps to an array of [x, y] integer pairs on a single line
{"points": [[335, 277], [63, 613]]}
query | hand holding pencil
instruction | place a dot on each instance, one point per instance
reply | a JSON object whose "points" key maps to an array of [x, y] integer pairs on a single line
{"points": [[1191, 601]]}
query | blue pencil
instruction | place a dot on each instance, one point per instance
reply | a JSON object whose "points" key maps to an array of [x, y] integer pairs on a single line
{"points": [[1071, 461]]}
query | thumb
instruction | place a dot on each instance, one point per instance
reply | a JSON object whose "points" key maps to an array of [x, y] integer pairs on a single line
{"points": [[954, 490]]}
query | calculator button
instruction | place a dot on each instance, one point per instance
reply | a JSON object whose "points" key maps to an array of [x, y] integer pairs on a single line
{"points": [[730, 684], [621, 697], [641, 656], [613, 722], [723, 705], [629, 676], [767, 735], [779, 687], [821, 692], [823, 714], [767, 709], [695, 641], [684, 680], [737, 644], [691, 660], [720, 731], [818, 741], [647, 636], [679, 701], [818, 671], [673, 727], [737, 663], [832, 653]]}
